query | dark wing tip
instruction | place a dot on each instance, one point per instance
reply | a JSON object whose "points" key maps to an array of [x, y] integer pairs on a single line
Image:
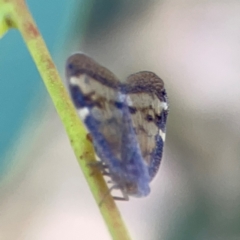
{"points": [[78, 62], [148, 82]]}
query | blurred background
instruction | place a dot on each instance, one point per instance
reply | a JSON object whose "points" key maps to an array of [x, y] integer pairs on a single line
{"points": [[194, 46]]}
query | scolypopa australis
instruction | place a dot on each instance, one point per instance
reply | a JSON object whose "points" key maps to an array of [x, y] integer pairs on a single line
{"points": [[126, 121]]}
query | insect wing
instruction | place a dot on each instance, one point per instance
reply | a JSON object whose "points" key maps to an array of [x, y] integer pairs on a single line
{"points": [[101, 104], [147, 100], [94, 91]]}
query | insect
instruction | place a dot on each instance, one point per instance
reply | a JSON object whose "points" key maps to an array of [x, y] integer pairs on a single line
{"points": [[126, 121]]}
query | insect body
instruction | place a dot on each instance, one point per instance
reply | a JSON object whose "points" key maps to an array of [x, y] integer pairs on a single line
{"points": [[127, 121]]}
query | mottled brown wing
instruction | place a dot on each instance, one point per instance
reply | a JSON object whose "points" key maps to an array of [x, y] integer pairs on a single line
{"points": [[95, 91], [147, 101], [102, 105]]}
